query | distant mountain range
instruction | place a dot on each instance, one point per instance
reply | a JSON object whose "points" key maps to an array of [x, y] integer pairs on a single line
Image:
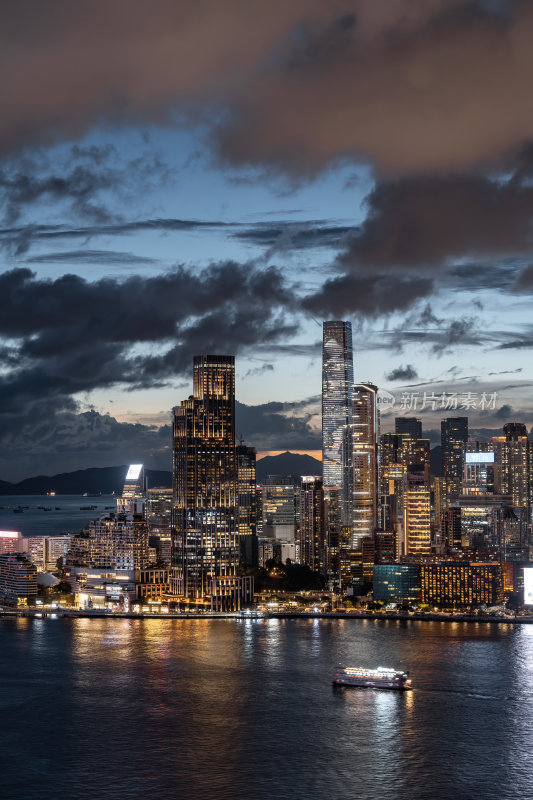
{"points": [[288, 463], [105, 480], [96, 480]]}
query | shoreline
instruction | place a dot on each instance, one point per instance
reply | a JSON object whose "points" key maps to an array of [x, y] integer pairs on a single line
{"points": [[209, 615]]}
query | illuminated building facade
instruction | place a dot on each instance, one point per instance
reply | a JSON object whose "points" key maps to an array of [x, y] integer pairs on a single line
{"points": [[454, 436], [417, 514], [205, 552], [513, 465], [385, 543], [247, 503], [10, 542], [18, 582], [461, 584], [337, 382], [312, 524], [365, 430], [159, 517], [118, 541], [104, 588], [333, 532], [278, 508], [451, 527], [478, 475], [44, 551], [400, 453]]}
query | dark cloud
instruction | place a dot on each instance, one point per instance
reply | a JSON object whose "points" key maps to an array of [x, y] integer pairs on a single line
{"points": [[110, 258], [279, 426], [47, 440], [514, 341], [428, 221], [255, 371], [525, 279], [80, 182], [458, 332], [448, 78], [282, 236], [277, 237], [83, 335], [407, 373], [18, 239], [341, 76], [504, 412], [367, 295], [482, 276], [507, 371], [80, 186]]}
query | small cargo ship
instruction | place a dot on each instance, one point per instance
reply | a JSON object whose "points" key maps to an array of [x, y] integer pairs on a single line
{"points": [[380, 678]]}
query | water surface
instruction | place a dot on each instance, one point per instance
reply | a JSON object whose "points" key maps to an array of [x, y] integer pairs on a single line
{"points": [[210, 709]]}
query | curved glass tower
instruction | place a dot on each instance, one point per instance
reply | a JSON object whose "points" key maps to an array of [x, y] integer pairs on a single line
{"points": [[337, 383]]}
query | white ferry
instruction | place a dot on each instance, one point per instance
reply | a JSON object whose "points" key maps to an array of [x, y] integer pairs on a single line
{"points": [[380, 678]]}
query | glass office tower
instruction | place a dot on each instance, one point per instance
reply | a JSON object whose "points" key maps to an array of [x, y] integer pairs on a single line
{"points": [[454, 436], [365, 432], [337, 383]]}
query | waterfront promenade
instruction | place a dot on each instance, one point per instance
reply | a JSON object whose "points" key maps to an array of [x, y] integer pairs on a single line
{"points": [[295, 615]]}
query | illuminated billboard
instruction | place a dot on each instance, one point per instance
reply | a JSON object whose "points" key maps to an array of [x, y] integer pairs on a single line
{"points": [[479, 458], [9, 534], [134, 472], [528, 586]]}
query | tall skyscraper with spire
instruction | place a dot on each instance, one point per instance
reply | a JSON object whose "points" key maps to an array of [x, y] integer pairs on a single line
{"points": [[337, 387]]}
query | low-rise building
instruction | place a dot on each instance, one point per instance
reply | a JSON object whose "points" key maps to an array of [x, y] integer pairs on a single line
{"points": [[461, 584], [10, 542], [18, 583], [103, 588], [397, 583]]}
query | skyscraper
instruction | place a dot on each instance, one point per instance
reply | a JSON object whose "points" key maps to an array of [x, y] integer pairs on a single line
{"points": [[247, 519], [454, 436], [205, 553], [312, 528], [513, 464], [409, 425], [337, 382], [417, 514], [365, 424], [159, 519]]}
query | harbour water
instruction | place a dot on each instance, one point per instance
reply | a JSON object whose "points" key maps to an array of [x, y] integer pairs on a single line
{"points": [[212, 709], [65, 514]]}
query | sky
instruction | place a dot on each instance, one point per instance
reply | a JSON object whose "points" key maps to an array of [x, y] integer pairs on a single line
{"points": [[197, 177]]}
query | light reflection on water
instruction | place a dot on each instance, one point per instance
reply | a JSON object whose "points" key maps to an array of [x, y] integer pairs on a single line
{"points": [[205, 709]]}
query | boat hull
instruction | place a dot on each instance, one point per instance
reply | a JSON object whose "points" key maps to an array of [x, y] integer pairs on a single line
{"points": [[362, 684]]}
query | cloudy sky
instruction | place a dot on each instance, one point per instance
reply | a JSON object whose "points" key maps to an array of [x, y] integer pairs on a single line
{"points": [[187, 177]]}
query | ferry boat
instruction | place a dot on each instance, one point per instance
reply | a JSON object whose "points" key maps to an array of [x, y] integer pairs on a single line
{"points": [[380, 678]]}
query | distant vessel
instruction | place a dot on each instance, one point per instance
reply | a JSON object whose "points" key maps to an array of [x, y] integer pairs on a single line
{"points": [[88, 508], [380, 678], [18, 510], [51, 493]]}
